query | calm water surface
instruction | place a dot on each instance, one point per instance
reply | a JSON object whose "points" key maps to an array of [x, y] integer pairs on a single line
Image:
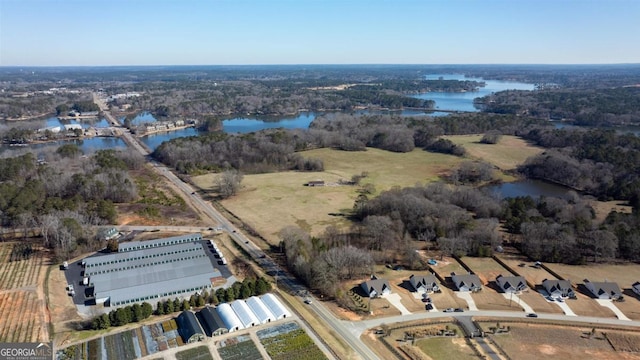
{"points": [[464, 101], [530, 187]]}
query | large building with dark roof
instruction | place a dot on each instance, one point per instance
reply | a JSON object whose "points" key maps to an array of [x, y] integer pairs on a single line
{"points": [[148, 270]]}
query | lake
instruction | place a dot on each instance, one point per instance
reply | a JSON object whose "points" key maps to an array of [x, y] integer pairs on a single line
{"points": [[54, 121], [463, 101], [88, 145], [247, 124], [529, 187]]}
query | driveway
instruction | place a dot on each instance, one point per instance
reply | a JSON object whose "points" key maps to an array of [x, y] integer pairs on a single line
{"points": [[563, 305], [516, 298], [466, 296], [609, 304], [419, 296], [565, 308], [394, 299]]}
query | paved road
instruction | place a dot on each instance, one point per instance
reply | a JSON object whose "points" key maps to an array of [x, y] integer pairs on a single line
{"points": [[271, 267], [349, 331]]}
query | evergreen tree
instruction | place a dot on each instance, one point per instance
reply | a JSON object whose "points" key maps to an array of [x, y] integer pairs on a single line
{"points": [[262, 286], [160, 308], [136, 313], [168, 307], [147, 310], [245, 290]]}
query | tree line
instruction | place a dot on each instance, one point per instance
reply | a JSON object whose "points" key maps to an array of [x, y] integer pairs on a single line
{"points": [[595, 161], [276, 149], [584, 107]]}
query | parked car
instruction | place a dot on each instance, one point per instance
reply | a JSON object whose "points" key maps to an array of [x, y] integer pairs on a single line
{"points": [[432, 262], [459, 310], [428, 307], [307, 301], [532, 315], [549, 298], [449, 310]]}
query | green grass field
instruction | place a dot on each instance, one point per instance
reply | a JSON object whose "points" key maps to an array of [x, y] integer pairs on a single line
{"points": [[270, 202], [507, 154]]}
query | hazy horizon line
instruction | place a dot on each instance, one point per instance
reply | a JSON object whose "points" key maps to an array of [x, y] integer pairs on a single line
{"points": [[320, 64]]}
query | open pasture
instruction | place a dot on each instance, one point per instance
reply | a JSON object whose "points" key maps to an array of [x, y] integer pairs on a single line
{"points": [[270, 202], [533, 341], [507, 154]]}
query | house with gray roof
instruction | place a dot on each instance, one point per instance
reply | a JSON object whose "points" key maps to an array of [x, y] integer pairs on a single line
{"points": [[211, 321], [376, 287], [558, 288], [467, 282], [424, 283], [603, 290], [511, 284], [189, 328]]}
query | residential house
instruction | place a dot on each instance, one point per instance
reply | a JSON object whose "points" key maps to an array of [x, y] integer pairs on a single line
{"points": [[376, 287], [511, 284], [636, 287], [603, 290], [467, 282], [558, 288], [424, 283]]}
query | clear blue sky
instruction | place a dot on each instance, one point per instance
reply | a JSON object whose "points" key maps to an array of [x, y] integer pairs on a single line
{"points": [[222, 32]]}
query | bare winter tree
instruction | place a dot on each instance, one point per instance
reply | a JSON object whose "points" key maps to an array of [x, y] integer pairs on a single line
{"points": [[229, 183], [47, 224]]}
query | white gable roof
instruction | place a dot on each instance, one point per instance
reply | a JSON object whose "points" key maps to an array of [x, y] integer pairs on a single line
{"points": [[260, 310], [246, 316], [229, 317], [276, 307]]}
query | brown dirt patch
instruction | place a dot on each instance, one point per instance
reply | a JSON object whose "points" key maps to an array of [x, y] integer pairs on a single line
{"points": [[547, 349], [534, 341], [23, 312]]}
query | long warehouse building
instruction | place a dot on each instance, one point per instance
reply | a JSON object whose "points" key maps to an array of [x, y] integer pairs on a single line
{"points": [[171, 267]]}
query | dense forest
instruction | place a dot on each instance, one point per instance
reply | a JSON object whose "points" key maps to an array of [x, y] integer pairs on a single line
{"points": [[65, 193], [597, 161], [587, 107]]}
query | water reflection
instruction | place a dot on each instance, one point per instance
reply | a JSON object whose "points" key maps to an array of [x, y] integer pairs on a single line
{"points": [[529, 187]]}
